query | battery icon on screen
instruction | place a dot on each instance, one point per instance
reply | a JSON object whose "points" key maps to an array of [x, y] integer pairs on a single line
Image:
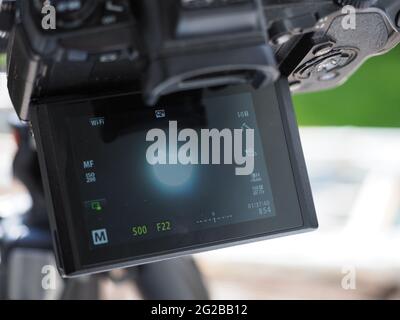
{"points": [[95, 205]]}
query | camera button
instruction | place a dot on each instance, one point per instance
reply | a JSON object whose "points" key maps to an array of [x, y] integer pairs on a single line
{"points": [[109, 57], [77, 56]]}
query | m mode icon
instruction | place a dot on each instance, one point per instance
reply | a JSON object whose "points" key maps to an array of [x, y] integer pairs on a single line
{"points": [[99, 237]]}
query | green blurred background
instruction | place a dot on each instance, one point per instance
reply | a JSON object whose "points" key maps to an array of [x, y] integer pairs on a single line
{"points": [[2, 61], [370, 98]]}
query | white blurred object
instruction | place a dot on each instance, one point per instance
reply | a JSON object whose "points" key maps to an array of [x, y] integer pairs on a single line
{"points": [[12, 205], [7, 150], [5, 102]]}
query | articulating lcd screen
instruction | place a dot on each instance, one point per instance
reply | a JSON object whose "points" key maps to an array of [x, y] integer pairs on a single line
{"points": [[175, 173]]}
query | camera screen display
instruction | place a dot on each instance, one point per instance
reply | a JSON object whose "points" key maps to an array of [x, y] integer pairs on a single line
{"points": [[186, 178], [128, 184]]}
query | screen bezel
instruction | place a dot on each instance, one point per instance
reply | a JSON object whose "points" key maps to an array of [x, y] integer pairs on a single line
{"points": [[285, 165]]}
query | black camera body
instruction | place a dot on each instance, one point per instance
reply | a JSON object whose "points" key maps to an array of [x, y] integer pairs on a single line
{"points": [[158, 47], [105, 74]]}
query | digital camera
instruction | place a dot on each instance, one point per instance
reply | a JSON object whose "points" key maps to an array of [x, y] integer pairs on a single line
{"points": [[145, 111]]}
